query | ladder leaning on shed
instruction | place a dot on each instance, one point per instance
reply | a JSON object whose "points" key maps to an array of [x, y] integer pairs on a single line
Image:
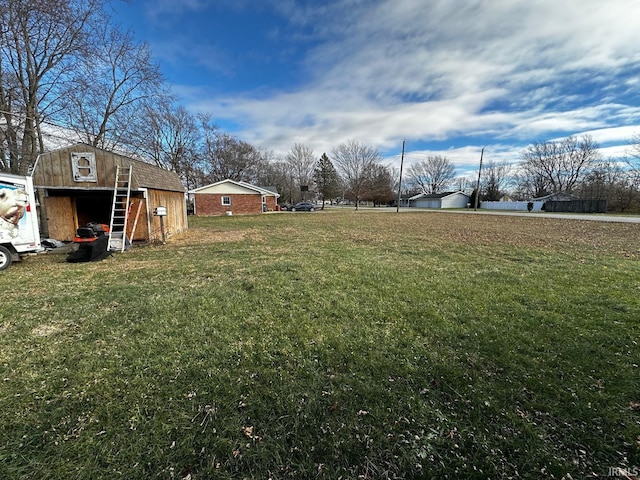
{"points": [[120, 209]]}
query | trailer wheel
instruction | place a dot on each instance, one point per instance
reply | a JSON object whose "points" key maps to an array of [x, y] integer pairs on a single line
{"points": [[5, 257]]}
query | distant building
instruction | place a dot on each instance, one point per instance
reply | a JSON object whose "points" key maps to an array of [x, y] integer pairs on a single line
{"points": [[440, 200], [229, 197], [555, 197]]}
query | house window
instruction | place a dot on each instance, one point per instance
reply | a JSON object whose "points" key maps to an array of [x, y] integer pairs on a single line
{"points": [[83, 166], [226, 200]]}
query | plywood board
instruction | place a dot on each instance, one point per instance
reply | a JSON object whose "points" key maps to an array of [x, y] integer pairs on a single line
{"points": [[61, 218]]}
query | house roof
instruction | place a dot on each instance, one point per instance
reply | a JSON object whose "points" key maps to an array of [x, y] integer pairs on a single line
{"points": [[263, 190], [421, 196], [271, 188], [552, 196], [258, 190]]}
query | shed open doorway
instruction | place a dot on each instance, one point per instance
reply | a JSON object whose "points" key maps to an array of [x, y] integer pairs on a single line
{"points": [[93, 208]]}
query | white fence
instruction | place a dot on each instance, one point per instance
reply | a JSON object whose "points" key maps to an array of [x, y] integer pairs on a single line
{"points": [[522, 206]]}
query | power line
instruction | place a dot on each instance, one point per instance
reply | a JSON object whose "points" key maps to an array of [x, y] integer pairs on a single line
{"points": [[393, 161]]}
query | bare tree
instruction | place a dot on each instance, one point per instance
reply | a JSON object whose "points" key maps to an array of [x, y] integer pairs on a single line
{"points": [[634, 146], [495, 180], [354, 160], [301, 162], [559, 166], [174, 139], [39, 42], [277, 172], [633, 153], [611, 181], [434, 174], [528, 185], [272, 172], [463, 184], [11, 121], [227, 157], [380, 185], [109, 89]]}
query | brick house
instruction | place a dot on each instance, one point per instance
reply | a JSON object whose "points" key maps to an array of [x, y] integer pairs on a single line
{"points": [[229, 197]]}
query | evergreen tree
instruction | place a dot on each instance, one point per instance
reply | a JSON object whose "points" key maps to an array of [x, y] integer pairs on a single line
{"points": [[326, 178]]}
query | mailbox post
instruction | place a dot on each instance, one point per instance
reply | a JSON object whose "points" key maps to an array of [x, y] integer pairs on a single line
{"points": [[161, 212]]}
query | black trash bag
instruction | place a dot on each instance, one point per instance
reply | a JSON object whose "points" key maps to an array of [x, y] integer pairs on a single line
{"points": [[91, 251]]}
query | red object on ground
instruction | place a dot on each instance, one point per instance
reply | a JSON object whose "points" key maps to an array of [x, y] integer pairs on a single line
{"points": [[91, 232]]}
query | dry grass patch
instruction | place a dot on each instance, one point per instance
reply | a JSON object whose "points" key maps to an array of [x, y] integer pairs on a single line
{"points": [[46, 330], [204, 236]]}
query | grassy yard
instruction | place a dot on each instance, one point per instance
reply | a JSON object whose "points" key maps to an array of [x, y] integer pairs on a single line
{"points": [[329, 345]]}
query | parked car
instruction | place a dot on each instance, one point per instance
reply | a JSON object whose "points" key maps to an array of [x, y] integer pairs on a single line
{"points": [[303, 207], [285, 206]]}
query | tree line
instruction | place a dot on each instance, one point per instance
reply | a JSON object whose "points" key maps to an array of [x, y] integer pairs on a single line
{"points": [[69, 72], [572, 165]]}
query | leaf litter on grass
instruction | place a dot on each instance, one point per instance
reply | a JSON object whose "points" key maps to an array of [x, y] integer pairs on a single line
{"points": [[445, 329]]}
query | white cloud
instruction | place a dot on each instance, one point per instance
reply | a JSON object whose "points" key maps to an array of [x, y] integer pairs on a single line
{"points": [[467, 158], [614, 134], [429, 71]]}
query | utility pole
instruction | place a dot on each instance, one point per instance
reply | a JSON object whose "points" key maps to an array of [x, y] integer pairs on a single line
{"points": [[475, 206], [400, 180]]}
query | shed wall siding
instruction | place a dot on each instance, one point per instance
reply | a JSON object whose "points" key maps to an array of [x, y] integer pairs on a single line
{"points": [[176, 219], [141, 233], [54, 168]]}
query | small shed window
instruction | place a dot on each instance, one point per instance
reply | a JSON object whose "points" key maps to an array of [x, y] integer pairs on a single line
{"points": [[226, 200], [83, 166]]}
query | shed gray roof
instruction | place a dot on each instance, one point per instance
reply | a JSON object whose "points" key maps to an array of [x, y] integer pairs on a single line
{"points": [[151, 176]]}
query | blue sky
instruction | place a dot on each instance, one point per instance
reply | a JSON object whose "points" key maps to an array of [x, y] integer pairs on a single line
{"points": [[449, 76]]}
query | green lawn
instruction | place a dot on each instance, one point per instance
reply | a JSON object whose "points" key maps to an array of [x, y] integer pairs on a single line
{"points": [[329, 345]]}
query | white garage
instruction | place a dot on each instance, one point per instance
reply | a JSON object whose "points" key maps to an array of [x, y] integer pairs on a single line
{"points": [[439, 200]]}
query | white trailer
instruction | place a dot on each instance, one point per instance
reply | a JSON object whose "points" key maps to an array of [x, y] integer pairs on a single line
{"points": [[19, 232]]}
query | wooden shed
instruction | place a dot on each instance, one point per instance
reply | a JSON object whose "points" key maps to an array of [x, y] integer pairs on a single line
{"points": [[75, 185]]}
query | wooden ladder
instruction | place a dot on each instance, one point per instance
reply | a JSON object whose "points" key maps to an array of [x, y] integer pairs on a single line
{"points": [[120, 209]]}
